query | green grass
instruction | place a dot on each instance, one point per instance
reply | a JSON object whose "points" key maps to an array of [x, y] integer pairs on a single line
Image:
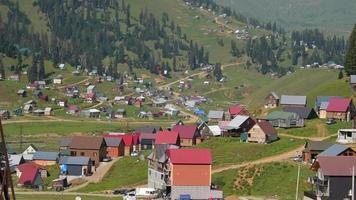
{"points": [[329, 15], [125, 172], [59, 196], [275, 179], [228, 151]]}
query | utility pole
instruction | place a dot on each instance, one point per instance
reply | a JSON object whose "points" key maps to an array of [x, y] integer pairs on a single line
{"points": [[353, 183], [5, 176], [297, 188]]}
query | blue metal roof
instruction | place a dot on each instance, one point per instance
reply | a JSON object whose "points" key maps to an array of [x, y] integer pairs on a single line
{"points": [[320, 99], [334, 150]]}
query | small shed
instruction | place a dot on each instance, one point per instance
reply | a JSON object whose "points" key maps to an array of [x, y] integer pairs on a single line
{"points": [[22, 93], [48, 111], [120, 113], [4, 114]]}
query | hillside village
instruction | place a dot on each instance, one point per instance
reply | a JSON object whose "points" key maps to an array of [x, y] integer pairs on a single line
{"points": [[172, 99]]}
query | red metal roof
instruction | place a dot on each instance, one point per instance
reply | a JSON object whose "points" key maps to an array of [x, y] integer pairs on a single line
{"points": [[336, 165], [28, 173], [338, 105], [128, 139], [185, 131], [190, 156], [236, 110], [167, 137]]}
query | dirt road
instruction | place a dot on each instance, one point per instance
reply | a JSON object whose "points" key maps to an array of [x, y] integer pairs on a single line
{"points": [[275, 158], [74, 84]]}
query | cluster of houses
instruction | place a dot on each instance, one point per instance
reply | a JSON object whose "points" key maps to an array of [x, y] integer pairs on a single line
{"points": [[334, 166], [237, 122], [295, 111]]}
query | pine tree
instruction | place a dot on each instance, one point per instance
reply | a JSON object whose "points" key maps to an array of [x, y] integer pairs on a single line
{"points": [[217, 72], [41, 69], [341, 75], [2, 70], [32, 71], [350, 60]]}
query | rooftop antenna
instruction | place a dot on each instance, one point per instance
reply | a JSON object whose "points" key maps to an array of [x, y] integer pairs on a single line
{"points": [[5, 176]]}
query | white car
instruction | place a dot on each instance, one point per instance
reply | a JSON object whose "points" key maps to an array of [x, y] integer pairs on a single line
{"points": [[130, 196], [134, 153]]}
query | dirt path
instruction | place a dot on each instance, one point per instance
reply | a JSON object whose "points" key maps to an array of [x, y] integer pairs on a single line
{"points": [[307, 138], [279, 157], [74, 84], [322, 130], [96, 105], [97, 176]]}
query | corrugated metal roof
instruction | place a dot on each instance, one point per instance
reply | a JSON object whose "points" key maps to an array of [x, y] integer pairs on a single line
{"points": [[321, 99], [303, 112], [238, 121], [334, 150], [280, 115], [45, 155], [74, 160], [215, 114], [324, 105], [293, 100], [112, 141], [336, 165], [318, 145]]}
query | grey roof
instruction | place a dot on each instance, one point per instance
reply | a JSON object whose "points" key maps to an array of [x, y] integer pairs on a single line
{"points": [[318, 145], [65, 142], [237, 121], [74, 160], [353, 79], [159, 152], [112, 142], [324, 105], [148, 129], [334, 150], [303, 112], [45, 155], [15, 159], [274, 94], [293, 100], [215, 114], [321, 99]]}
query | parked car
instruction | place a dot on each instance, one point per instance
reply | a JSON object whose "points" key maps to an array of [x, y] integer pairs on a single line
{"points": [[130, 196], [134, 153], [123, 191], [297, 158], [330, 121], [107, 159]]}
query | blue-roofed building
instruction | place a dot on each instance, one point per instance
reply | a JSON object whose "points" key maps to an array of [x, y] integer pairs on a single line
{"points": [[320, 103], [338, 150], [75, 165], [199, 112], [45, 158]]}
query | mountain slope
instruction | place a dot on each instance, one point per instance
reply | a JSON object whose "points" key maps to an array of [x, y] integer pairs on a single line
{"points": [[330, 15]]}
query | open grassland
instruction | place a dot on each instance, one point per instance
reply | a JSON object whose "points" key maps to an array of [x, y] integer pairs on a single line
{"points": [[125, 172], [227, 151], [59, 196], [272, 179]]}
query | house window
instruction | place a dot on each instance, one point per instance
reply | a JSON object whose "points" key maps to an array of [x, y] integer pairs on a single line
{"points": [[82, 153], [162, 176], [181, 141], [95, 154], [73, 153], [149, 172]]}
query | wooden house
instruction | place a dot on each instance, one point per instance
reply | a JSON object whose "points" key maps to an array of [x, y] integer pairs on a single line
{"points": [[262, 132], [293, 101], [188, 134], [313, 148], [340, 108], [89, 146], [30, 176], [115, 147], [285, 119], [272, 100]]}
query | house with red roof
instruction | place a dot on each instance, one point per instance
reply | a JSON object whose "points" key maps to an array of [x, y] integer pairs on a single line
{"points": [[262, 132], [168, 137], [189, 134], [340, 108], [237, 110], [333, 178], [131, 141], [30, 175], [190, 173]]}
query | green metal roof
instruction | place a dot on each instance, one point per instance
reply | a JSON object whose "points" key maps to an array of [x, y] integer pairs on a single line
{"points": [[279, 115]]}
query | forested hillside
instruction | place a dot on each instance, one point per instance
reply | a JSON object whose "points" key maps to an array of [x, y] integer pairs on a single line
{"points": [[329, 15]]}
